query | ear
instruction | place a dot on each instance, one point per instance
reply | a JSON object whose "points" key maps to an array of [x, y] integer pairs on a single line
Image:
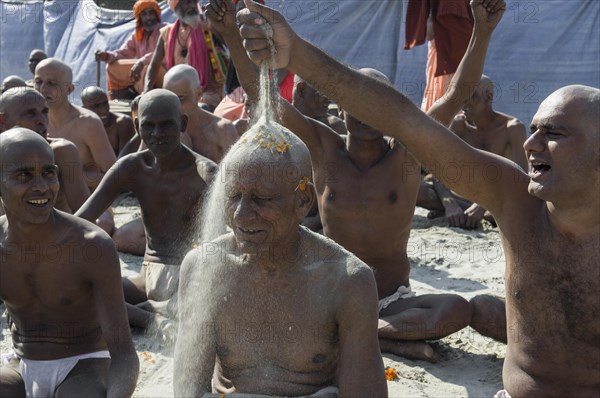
{"points": [[136, 125], [2, 122], [489, 96], [199, 93], [304, 201], [184, 122], [70, 89]]}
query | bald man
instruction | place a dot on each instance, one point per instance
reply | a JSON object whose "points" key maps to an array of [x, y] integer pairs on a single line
{"points": [[284, 311], [25, 107], [35, 57], [211, 135], [169, 181], [60, 284], [367, 186], [119, 127], [12, 81], [482, 127], [53, 78], [549, 218]]}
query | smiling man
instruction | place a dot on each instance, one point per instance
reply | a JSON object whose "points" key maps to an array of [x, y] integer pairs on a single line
{"points": [[277, 308], [60, 284], [169, 181]]}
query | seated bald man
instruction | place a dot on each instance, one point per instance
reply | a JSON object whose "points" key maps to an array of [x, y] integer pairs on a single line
{"points": [[25, 107], [169, 181], [35, 57], [54, 79], [549, 218], [211, 135], [272, 308], [119, 127], [60, 284], [12, 81]]}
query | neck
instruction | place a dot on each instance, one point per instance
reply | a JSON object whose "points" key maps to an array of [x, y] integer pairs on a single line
{"points": [[59, 112], [279, 258], [172, 160], [365, 153]]}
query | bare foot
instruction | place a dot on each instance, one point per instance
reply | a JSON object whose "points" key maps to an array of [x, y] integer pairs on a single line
{"points": [[409, 349]]}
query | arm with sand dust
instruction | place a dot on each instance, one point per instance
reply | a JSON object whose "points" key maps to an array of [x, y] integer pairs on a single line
{"points": [[383, 108], [222, 16], [154, 66], [195, 347]]}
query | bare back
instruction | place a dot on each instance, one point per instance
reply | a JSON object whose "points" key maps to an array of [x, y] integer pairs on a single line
{"points": [[212, 136], [84, 129], [369, 212]]}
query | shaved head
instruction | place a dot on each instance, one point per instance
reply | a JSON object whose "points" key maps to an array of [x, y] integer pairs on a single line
{"points": [[19, 137], [182, 72], [57, 64], [11, 82], [159, 98], [17, 96], [93, 94]]}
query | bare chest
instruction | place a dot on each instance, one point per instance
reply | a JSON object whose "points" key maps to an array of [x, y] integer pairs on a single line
{"points": [[494, 141]]}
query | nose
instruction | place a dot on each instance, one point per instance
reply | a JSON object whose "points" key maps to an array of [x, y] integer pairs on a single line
{"points": [[244, 209], [535, 142], [41, 119], [40, 184]]}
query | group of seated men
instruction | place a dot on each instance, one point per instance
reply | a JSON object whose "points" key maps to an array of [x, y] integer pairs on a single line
{"points": [[267, 306]]}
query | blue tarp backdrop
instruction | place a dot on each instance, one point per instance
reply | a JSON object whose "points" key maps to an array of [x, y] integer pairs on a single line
{"points": [[538, 46]]}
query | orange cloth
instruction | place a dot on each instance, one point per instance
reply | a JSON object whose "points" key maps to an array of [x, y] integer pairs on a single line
{"points": [[140, 6], [452, 28], [436, 86]]}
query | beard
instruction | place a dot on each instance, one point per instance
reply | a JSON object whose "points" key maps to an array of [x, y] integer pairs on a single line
{"points": [[192, 20]]}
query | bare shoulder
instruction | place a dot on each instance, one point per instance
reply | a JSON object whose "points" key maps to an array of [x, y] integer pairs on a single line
{"points": [[89, 122], [63, 148], [327, 135], [207, 169], [459, 123], [123, 120]]}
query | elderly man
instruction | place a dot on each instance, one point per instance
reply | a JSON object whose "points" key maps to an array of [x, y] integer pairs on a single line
{"points": [[367, 186], [169, 181], [126, 67], [60, 284], [187, 41], [283, 310], [25, 107], [549, 219]]}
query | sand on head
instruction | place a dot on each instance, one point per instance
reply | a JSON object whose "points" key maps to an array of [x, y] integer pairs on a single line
{"points": [[158, 99]]}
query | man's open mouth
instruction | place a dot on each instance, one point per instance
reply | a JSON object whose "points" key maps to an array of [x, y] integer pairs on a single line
{"points": [[38, 202]]}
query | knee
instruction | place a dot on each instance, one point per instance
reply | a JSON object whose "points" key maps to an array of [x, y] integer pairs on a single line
{"points": [[11, 383], [459, 309]]}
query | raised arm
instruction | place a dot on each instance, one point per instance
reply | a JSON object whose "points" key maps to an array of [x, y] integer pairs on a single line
{"points": [[195, 349], [459, 166], [469, 71], [221, 13], [157, 59], [105, 278], [113, 183]]}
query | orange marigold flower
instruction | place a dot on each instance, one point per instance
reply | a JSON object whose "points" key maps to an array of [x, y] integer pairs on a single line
{"points": [[391, 374]]}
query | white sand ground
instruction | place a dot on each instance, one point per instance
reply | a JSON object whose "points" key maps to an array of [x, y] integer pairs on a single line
{"points": [[444, 260]]}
